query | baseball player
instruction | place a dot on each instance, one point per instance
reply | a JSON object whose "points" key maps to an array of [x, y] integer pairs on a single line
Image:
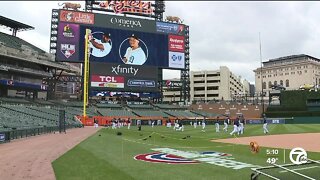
{"points": [[152, 124], [113, 123], [180, 127], [168, 123], [100, 48], [129, 123], [265, 124], [226, 122], [242, 122], [203, 123], [235, 126], [217, 125], [134, 54]]}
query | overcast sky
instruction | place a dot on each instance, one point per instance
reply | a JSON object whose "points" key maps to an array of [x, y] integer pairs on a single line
{"points": [[221, 33]]}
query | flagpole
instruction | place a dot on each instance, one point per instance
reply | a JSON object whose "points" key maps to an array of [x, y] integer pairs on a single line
{"points": [[262, 93]]}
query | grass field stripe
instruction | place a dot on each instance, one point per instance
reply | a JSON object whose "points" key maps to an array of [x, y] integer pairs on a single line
{"points": [[177, 147], [298, 169], [284, 156], [294, 172], [147, 136]]}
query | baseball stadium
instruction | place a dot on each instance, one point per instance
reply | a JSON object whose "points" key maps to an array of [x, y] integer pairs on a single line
{"points": [[97, 105]]}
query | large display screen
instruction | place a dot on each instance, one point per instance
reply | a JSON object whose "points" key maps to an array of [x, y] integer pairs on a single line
{"points": [[121, 40]]}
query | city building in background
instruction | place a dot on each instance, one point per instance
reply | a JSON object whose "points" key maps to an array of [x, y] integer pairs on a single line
{"points": [[219, 84], [290, 72]]}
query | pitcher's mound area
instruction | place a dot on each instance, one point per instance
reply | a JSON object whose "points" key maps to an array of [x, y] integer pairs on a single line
{"points": [[307, 141]]}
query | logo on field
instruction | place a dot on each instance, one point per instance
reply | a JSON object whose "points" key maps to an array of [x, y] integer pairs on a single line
{"points": [[173, 156], [163, 158], [300, 156], [68, 49]]}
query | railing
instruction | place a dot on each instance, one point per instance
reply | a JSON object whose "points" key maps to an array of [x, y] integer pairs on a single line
{"points": [[24, 133]]}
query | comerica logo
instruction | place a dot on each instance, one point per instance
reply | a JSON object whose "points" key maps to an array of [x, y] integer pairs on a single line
{"points": [[125, 22]]}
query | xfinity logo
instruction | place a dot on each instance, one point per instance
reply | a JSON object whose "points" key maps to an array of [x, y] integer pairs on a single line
{"points": [[125, 22], [124, 70]]}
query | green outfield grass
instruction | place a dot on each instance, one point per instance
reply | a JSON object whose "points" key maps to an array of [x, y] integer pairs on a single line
{"points": [[106, 155]]}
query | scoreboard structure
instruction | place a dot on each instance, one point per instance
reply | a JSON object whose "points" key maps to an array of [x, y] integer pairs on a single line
{"points": [[126, 54]]}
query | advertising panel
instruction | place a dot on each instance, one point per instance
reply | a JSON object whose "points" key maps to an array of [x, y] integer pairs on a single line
{"points": [[176, 43], [176, 60], [2, 137], [76, 17], [107, 81], [68, 42], [105, 76], [125, 23], [170, 28]]}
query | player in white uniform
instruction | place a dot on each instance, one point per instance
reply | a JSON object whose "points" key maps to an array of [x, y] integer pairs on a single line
{"points": [[180, 127], [235, 126], [129, 123], [226, 122], [134, 54], [217, 125], [152, 124], [203, 124], [100, 48], [195, 123], [265, 124], [242, 121]]}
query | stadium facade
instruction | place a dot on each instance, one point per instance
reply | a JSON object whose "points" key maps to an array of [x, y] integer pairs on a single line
{"points": [[25, 68]]}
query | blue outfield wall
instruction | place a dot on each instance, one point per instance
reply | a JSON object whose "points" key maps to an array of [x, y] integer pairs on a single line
{"points": [[291, 120], [304, 120]]}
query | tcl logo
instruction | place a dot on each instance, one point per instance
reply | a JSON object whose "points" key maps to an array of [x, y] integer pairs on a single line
{"points": [[107, 79], [113, 79]]}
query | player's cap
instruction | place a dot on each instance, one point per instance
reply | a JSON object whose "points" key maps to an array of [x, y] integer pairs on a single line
{"points": [[134, 36]]}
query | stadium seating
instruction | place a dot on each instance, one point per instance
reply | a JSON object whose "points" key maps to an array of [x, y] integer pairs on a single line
{"points": [[150, 113], [11, 100], [111, 106], [21, 116], [206, 114], [168, 106], [140, 106], [182, 114], [16, 42], [109, 113]]}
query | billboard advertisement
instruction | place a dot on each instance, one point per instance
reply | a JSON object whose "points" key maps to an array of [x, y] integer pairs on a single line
{"points": [[125, 94], [170, 28], [176, 43], [120, 39], [109, 76], [68, 48]]}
